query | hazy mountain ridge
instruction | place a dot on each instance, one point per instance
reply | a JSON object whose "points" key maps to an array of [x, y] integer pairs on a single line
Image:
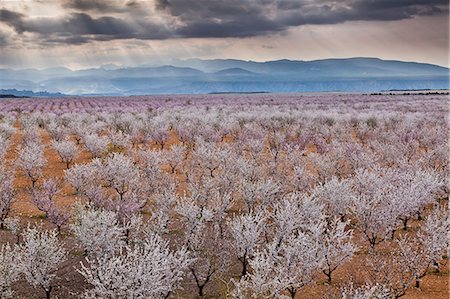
{"points": [[28, 93], [228, 75]]}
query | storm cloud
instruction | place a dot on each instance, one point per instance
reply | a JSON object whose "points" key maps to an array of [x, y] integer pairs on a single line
{"points": [[110, 6], [82, 21]]}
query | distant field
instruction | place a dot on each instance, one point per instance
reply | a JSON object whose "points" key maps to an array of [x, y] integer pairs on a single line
{"points": [[336, 102]]}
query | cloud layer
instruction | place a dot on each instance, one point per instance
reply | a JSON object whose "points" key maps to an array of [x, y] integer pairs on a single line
{"points": [[82, 21]]}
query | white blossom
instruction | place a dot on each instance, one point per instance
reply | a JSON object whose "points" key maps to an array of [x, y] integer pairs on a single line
{"points": [[41, 254], [149, 270]]}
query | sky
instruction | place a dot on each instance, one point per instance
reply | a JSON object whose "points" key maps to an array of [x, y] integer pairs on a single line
{"points": [[89, 33]]}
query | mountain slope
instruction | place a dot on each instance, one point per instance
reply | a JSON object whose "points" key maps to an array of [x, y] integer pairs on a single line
{"points": [[372, 66], [227, 75]]}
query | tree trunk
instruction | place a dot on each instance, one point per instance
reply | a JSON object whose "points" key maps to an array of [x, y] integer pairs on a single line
{"points": [[292, 292], [328, 274], [417, 284], [200, 290], [244, 265], [372, 248], [48, 292], [127, 236], [405, 223], [201, 286]]}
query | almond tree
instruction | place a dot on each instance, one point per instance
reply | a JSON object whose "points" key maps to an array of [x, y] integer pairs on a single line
{"points": [[119, 139], [6, 193], [412, 191], [286, 269], [335, 246], [413, 258], [246, 235], [95, 144], [202, 241], [327, 165], [97, 231], [164, 203], [373, 208], [210, 156], [121, 174], [221, 204], [31, 135], [67, 150], [260, 282], [185, 133], [148, 270], [56, 130], [78, 130], [210, 258], [375, 219], [44, 201], [82, 176], [301, 180], [40, 256], [160, 134], [295, 213], [433, 235], [255, 144], [292, 253], [175, 157], [337, 195], [389, 271], [9, 270], [259, 191], [149, 164], [32, 161]]}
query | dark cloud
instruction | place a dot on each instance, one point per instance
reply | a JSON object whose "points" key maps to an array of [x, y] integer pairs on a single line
{"points": [[241, 18], [279, 15], [79, 24], [77, 28], [12, 18], [9, 16], [3, 39], [101, 5], [207, 18]]}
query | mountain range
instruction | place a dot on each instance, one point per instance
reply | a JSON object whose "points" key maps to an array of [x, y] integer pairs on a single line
{"points": [[195, 76]]}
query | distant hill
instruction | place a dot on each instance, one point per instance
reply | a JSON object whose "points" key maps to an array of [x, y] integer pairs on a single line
{"points": [[14, 93], [324, 67], [235, 72], [231, 76]]}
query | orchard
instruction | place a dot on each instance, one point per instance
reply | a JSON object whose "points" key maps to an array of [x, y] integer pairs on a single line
{"points": [[224, 196]]}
